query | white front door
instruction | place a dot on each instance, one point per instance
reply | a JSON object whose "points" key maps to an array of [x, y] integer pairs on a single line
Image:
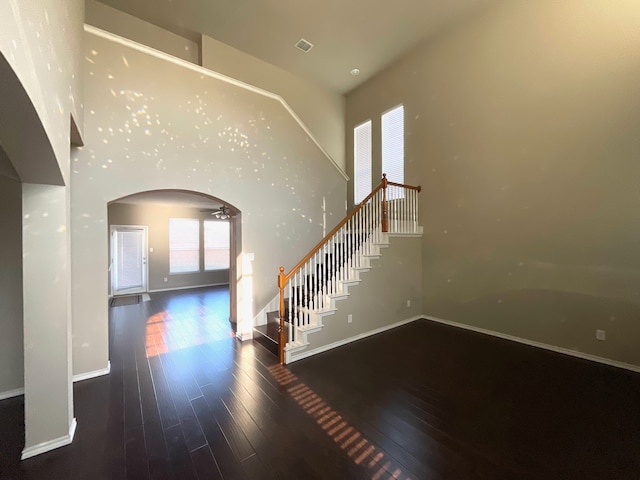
{"points": [[128, 259]]}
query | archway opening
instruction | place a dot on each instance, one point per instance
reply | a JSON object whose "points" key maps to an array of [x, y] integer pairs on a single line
{"points": [[180, 249]]}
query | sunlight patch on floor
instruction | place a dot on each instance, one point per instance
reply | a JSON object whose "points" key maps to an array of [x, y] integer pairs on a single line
{"points": [[358, 448], [168, 332]]}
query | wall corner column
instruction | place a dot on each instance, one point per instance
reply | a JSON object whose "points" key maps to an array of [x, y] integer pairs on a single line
{"points": [[49, 421]]}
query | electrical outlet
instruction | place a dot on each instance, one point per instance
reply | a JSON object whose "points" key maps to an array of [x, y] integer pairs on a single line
{"points": [[166, 279], [601, 335], [150, 249], [408, 303], [349, 318]]}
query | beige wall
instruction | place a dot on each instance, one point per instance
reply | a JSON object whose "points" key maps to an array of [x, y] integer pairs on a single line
{"points": [[115, 21], [170, 127], [380, 300], [11, 340], [156, 218], [47, 321], [40, 58], [321, 109], [521, 126], [42, 44]]}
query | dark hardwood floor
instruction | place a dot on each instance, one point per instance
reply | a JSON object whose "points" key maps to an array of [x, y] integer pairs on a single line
{"points": [[186, 400]]}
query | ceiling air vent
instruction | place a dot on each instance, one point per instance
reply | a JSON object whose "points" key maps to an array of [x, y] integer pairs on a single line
{"points": [[304, 45]]}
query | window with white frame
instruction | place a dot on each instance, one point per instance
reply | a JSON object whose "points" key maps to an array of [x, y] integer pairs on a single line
{"points": [[216, 245], [184, 245], [362, 161], [393, 146]]}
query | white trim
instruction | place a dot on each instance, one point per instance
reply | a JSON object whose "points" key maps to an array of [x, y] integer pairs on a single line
{"points": [[218, 76], [545, 346], [93, 374], [360, 336], [243, 337], [145, 255], [187, 288], [11, 393], [404, 235], [51, 444]]}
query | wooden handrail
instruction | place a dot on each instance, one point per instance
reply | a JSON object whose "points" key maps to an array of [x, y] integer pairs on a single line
{"points": [[383, 185], [408, 187], [283, 278], [308, 256]]}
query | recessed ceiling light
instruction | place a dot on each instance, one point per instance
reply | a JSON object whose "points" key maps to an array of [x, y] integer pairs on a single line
{"points": [[355, 72], [304, 45]]}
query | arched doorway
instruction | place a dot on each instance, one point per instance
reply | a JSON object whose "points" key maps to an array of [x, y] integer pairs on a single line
{"points": [[169, 240]]}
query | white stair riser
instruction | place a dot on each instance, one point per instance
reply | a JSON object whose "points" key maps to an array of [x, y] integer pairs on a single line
{"points": [[315, 317]]}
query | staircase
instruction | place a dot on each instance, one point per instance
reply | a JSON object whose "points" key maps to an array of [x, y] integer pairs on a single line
{"points": [[311, 291]]}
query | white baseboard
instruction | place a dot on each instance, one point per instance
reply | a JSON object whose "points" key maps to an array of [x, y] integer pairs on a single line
{"points": [[93, 374], [51, 444], [243, 337], [76, 378], [360, 336], [532, 343], [187, 288], [11, 393]]}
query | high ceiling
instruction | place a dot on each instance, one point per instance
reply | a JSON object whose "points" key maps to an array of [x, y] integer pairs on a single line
{"points": [[346, 34]]}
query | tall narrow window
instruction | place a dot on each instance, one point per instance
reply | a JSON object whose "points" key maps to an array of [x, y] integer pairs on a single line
{"points": [[362, 161], [216, 245], [184, 245], [393, 145]]}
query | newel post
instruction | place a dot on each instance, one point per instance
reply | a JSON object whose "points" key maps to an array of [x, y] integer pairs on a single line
{"points": [[385, 211], [282, 340]]}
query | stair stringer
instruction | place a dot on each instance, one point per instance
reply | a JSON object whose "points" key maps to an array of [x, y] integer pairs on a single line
{"points": [[316, 316]]}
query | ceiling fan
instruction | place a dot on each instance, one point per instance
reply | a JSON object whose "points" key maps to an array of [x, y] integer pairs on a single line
{"points": [[223, 213]]}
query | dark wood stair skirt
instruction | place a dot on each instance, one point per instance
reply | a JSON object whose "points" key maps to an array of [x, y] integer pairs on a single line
{"points": [[267, 335]]}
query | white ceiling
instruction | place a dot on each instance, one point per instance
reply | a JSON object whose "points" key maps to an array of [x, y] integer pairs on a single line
{"points": [[364, 34]]}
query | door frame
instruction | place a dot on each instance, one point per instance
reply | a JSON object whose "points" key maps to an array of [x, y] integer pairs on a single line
{"points": [[145, 257]]}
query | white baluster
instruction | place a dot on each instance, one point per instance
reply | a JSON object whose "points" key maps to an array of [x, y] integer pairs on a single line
{"points": [[349, 246], [411, 229], [413, 211], [337, 272], [376, 206], [288, 314], [417, 204], [297, 302], [395, 208], [354, 229], [323, 274], [314, 282], [307, 290], [328, 276], [356, 239], [347, 242], [343, 246], [320, 265], [414, 206], [367, 226], [404, 210], [390, 207], [409, 207]]}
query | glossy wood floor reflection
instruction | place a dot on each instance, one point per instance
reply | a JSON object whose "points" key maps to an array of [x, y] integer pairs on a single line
{"points": [[186, 400]]}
